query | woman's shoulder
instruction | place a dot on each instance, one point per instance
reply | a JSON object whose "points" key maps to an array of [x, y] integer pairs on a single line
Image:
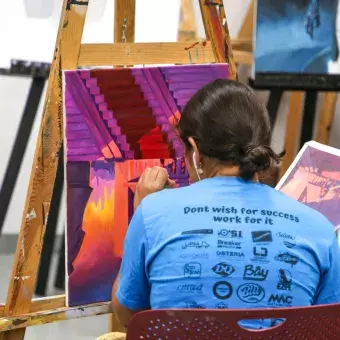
{"points": [[307, 215]]}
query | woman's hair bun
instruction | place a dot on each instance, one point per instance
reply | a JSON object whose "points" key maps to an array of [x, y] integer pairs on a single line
{"points": [[256, 158]]}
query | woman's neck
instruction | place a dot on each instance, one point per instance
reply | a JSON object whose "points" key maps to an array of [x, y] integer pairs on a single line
{"points": [[227, 171]]}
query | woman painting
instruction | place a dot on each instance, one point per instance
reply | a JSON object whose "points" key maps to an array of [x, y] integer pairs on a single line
{"points": [[225, 241]]}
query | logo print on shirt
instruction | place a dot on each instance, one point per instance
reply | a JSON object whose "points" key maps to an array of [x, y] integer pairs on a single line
{"points": [[285, 280], [192, 270], [256, 274], [190, 288], [223, 269], [194, 305], [197, 245], [288, 240], [287, 258], [235, 255], [228, 244], [202, 256], [260, 254], [230, 233], [198, 232], [223, 290], [263, 236], [250, 293], [221, 305], [280, 300]]}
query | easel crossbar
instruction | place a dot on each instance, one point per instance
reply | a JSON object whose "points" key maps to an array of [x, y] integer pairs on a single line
{"points": [[53, 315], [154, 53]]}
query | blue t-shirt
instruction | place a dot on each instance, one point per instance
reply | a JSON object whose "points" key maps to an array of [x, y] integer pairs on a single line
{"points": [[224, 243]]}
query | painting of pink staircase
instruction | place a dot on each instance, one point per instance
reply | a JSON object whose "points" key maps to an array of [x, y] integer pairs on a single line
{"points": [[118, 122]]}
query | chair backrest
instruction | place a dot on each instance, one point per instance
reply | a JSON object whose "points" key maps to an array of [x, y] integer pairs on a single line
{"points": [[303, 323]]}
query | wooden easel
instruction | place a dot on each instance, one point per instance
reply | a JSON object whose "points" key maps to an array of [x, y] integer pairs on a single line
{"points": [[20, 311]]}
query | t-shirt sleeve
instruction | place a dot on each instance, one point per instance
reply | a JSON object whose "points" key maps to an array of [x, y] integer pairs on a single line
{"points": [[133, 287], [328, 291]]}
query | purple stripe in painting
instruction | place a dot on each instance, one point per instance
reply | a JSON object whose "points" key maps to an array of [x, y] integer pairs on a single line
{"points": [[72, 111], [179, 78], [129, 154], [99, 98], [221, 71], [115, 131], [73, 144], [155, 89], [121, 139], [82, 151], [91, 82], [94, 90], [179, 152], [145, 88], [76, 127], [184, 93], [107, 114], [74, 118], [75, 135], [112, 123], [157, 111], [102, 106], [85, 74], [182, 101], [88, 157], [184, 85], [161, 120], [88, 107], [164, 89], [188, 68]]}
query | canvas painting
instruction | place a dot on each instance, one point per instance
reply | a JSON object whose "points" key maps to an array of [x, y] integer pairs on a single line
{"points": [[298, 36], [314, 179], [118, 122]]}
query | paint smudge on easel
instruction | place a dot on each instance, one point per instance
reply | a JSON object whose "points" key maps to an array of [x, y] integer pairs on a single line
{"points": [[31, 215], [23, 278]]}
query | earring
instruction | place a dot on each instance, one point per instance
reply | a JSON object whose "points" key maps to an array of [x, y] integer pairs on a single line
{"points": [[200, 170]]}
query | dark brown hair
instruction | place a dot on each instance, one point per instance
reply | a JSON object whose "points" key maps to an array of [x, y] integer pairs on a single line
{"points": [[229, 123]]}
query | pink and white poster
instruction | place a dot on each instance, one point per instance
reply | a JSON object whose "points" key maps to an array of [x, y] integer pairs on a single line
{"points": [[314, 179]]}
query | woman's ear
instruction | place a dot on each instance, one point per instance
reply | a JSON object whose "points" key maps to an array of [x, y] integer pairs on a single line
{"points": [[195, 150]]}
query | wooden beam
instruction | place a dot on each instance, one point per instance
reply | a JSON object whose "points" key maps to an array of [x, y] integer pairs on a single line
{"points": [[53, 315], [41, 304], [145, 53], [38, 199], [154, 53], [187, 25], [217, 32], [293, 124], [329, 101], [247, 29], [124, 22]]}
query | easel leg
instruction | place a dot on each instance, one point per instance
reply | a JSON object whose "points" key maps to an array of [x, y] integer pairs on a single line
{"points": [[273, 104], [60, 277], [124, 31], [307, 125], [51, 228], [292, 129], [326, 117], [20, 145], [38, 200]]}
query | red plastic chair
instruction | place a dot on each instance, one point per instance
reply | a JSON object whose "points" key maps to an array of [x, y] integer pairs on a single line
{"points": [[303, 323]]}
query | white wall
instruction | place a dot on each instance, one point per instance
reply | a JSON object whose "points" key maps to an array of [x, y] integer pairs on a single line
{"points": [[39, 44]]}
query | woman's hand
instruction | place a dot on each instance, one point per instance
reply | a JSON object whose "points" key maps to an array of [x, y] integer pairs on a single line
{"points": [[152, 180]]}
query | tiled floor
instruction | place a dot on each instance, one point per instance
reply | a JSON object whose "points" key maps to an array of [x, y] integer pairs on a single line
{"points": [[81, 329]]}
